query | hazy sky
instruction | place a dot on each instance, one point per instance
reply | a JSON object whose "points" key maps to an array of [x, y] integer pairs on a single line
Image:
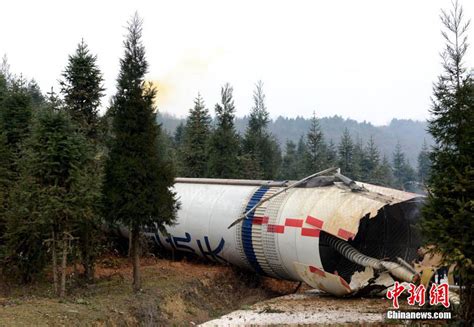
{"points": [[368, 60]]}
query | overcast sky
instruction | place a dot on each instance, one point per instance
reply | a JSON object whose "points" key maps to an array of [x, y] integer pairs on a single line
{"points": [[367, 60]]}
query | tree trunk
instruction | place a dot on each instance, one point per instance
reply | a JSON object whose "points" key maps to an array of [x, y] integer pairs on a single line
{"points": [[87, 259], [62, 290], [55, 263], [135, 256]]}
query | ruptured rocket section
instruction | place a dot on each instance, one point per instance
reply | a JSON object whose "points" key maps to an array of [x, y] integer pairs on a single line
{"points": [[334, 234]]}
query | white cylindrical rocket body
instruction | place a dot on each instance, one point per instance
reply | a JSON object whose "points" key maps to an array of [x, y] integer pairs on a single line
{"points": [[281, 237]]}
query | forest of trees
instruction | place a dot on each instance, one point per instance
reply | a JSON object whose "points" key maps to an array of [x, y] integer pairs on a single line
{"points": [[201, 146], [65, 170]]}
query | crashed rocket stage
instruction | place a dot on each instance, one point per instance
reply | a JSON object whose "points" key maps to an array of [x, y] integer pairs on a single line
{"points": [[337, 236]]}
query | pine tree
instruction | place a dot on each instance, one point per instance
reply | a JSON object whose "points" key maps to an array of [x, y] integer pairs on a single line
{"points": [[358, 159], [384, 173], [317, 152], [224, 142], [137, 184], [37, 98], [258, 144], [5, 183], [47, 199], [331, 154], [424, 163], [403, 173], [15, 114], [289, 167], [194, 151], [301, 157], [346, 154], [448, 217], [370, 162], [82, 87]]}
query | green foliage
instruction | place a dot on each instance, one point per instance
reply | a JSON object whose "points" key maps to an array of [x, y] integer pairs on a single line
{"points": [[15, 114], [331, 154], [82, 89], [258, 144], [137, 182], [194, 151], [424, 164], [402, 172], [370, 162], [224, 143], [448, 217], [358, 160], [6, 178], [346, 154], [50, 192], [316, 148], [290, 168]]}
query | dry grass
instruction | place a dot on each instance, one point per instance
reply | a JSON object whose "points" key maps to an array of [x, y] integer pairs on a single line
{"points": [[174, 293]]}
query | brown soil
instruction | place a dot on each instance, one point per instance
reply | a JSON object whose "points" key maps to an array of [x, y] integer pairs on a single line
{"points": [[174, 293]]}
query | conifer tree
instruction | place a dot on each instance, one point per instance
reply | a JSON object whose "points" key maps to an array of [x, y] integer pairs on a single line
{"points": [[224, 142], [137, 183], [15, 114], [316, 147], [424, 163], [346, 154], [384, 173], [289, 167], [258, 144], [301, 157], [448, 217], [402, 171], [48, 196], [195, 154], [358, 159], [331, 154], [370, 162], [5, 183], [82, 87]]}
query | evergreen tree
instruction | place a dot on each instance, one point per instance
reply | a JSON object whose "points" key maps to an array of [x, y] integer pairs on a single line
{"points": [[37, 98], [195, 154], [384, 173], [15, 114], [178, 136], [370, 162], [448, 217], [5, 183], [224, 142], [258, 144], [82, 87], [301, 157], [424, 164], [346, 154], [403, 173], [316, 147], [358, 159], [137, 183], [48, 197], [289, 167], [331, 154]]}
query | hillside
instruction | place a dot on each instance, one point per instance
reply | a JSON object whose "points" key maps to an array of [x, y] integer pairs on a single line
{"points": [[409, 133]]}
